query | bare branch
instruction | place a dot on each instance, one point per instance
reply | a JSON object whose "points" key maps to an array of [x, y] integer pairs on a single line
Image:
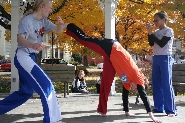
{"points": [[4, 13], [137, 1], [59, 8]]}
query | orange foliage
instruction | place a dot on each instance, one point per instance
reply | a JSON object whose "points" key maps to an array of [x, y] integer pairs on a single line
{"points": [[131, 16]]}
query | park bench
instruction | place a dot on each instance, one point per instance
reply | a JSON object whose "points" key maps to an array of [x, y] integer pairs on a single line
{"points": [[60, 73], [178, 76]]}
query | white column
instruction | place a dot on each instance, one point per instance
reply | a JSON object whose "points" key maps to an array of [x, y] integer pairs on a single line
{"points": [[14, 29], [58, 53], [43, 52], [49, 55], [110, 8]]}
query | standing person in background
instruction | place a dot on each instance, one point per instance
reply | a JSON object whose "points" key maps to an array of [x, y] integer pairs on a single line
{"points": [[162, 41], [79, 85], [32, 78]]}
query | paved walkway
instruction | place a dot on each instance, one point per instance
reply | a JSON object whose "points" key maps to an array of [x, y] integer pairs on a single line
{"points": [[81, 108]]}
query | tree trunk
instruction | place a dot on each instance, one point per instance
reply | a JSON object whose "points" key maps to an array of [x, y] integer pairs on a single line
{"points": [[85, 61]]}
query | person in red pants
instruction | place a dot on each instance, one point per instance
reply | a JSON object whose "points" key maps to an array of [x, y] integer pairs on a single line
{"points": [[116, 60]]}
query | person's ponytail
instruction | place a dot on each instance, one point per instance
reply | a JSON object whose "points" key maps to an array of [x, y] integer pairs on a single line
{"points": [[30, 11]]}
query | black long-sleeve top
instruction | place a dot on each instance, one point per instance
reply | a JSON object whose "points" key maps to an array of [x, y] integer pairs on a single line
{"points": [[152, 38]]}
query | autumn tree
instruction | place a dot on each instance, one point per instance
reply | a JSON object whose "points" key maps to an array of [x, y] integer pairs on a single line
{"points": [[131, 16], [87, 15]]}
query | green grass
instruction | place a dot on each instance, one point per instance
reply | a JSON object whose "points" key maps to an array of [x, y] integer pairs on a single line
{"points": [[92, 76], [59, 87], [5, 87]]}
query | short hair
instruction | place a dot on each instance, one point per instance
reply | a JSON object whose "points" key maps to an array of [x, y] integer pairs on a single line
{"points": [[162, 15]]}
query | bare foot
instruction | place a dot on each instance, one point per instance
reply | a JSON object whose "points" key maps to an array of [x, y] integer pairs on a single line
{"points": [[104, 115], [60, 122], [154, 118], [129, 114], [171, 115]]}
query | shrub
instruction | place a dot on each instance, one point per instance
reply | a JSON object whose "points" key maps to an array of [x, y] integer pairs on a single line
{"points": [[92, 63]]}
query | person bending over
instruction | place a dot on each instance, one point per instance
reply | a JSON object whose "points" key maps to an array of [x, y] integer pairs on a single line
{"points": [[116, 60]]}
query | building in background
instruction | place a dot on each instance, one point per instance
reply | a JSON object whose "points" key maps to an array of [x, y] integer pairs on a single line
{"points": [[177, 49], [5, 47], [95, 60], [57, 53]]}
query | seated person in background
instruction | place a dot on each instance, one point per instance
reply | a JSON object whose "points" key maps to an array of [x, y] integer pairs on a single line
{"points": [[98, 84], [78, 84]]}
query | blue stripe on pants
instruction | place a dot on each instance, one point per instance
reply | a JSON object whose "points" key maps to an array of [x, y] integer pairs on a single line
{"points": [[163, 93], [32, 78]]}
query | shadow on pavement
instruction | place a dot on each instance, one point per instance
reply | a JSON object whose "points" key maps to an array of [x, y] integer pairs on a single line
{"points": [[100, 119], [12, 118]]}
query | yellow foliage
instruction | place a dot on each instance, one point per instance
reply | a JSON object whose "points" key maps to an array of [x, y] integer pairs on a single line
{"points": [[130, 27], [7, 7], [87, 15], [133, 16], [7, 35]]}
